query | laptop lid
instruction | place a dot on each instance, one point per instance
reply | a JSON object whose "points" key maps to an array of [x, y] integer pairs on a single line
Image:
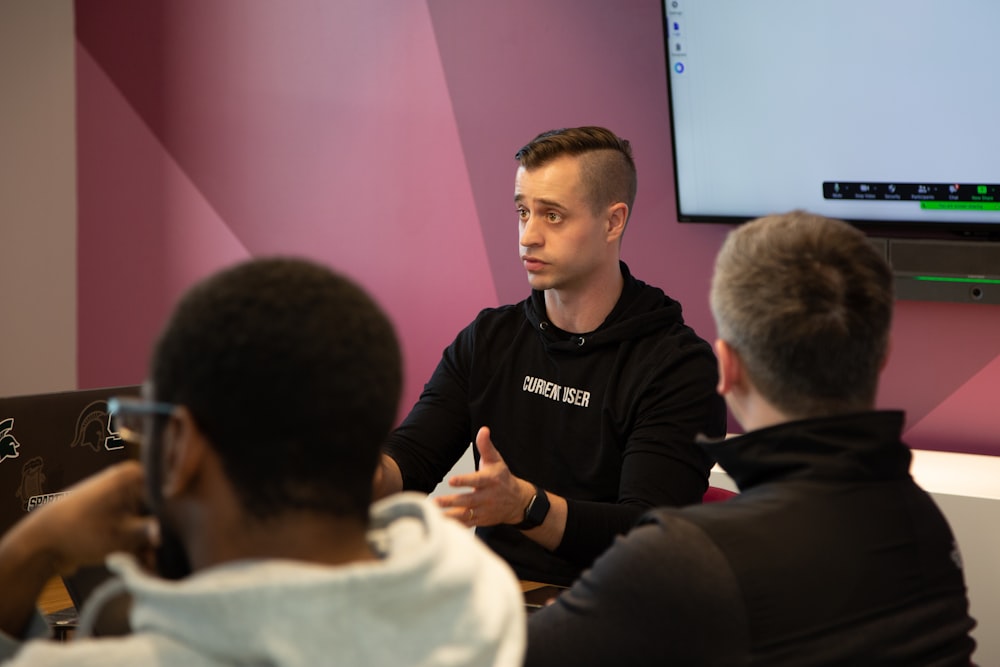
{"points": [[48, 442]]}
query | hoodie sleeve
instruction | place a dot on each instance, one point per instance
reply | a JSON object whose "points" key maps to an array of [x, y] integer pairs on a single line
{"points": [[662, 466], [436, 432]]}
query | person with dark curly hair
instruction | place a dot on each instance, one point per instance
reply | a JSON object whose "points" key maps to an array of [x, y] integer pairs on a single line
{"points": [[270, 392]]}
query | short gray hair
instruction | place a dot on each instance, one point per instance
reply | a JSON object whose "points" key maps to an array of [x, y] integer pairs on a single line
{"points": [[806, 301]]}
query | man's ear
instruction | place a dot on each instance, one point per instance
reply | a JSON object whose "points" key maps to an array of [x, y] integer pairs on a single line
{"points": [[617, 217], [184, 453], [731, 373]]}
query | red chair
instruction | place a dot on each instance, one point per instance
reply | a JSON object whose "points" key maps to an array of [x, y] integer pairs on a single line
{"points": [[716, 494]]}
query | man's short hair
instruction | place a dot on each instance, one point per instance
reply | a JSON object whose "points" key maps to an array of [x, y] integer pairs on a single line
{"points": [[607, 167], [806, 302], [293, 373]]}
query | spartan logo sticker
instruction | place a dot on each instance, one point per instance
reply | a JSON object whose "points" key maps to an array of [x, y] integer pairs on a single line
{"points": [[8, 443], [31, 490], [32, 480], [93, 429]]}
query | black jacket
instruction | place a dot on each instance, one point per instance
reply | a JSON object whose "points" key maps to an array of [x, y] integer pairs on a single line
{"points": [[831, 555]]}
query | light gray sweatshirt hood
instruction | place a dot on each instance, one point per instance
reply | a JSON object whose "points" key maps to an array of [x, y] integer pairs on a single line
{"points": [[437, 597]]}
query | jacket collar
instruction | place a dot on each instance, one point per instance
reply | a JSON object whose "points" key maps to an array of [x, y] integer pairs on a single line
{"points": [[861, 446]]}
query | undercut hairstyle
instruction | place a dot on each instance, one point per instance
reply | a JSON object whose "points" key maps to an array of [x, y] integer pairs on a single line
{"points": [[806, 302], [606, 164], [293, 373]]}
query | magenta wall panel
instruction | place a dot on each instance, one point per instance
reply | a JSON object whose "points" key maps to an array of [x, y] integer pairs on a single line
{"points": [[965, 419], [121, 298], [378, 136], [315, 129], [945, 354]]}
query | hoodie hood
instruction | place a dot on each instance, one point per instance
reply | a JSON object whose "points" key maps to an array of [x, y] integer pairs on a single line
{"points": [[437, 597], [641, 309]]}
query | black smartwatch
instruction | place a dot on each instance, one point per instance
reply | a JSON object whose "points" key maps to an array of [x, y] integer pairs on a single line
{"points": [[536, 511]]}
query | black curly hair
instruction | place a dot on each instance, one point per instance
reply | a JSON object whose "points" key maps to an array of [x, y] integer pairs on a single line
{"points": [[293, 373]]}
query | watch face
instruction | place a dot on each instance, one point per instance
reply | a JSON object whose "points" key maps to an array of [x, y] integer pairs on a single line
{"points": [[537, 509]]}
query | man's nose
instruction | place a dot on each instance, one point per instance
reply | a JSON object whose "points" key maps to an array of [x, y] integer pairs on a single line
{"points": [[529, 233]]}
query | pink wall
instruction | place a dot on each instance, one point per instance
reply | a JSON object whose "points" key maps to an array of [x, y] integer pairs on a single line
{"points": [[378, 136]]}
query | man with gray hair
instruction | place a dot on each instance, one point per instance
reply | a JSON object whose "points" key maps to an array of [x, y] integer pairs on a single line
{"points": [[831, 554]]}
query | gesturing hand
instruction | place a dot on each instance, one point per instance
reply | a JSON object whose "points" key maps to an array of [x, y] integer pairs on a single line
{"points": [[497, 496]]}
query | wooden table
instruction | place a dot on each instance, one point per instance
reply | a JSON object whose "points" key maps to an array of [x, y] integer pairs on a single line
{"points": [[54, 597]]}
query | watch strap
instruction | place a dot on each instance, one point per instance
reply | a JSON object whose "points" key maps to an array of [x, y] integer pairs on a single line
{"points": [[536, 511]]}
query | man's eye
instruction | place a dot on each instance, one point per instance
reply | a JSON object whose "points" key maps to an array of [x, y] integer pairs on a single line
{"points": [[522, 213], [554, 217]]}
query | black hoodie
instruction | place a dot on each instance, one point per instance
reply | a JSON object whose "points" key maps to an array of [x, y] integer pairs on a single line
{"points": [[606, 419]]}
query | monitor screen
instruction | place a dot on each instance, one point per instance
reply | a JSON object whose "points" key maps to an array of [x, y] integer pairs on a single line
{"points": [[885, 113]]}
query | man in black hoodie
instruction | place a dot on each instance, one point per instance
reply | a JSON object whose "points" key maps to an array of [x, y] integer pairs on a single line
{"points": [[831, 554], [583, 400]]}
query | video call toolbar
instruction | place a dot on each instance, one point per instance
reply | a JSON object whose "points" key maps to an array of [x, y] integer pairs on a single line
{"points": [[972, 193]]}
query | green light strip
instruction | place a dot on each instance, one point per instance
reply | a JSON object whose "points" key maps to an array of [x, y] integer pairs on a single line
{"points": [[960, 205], [942, 279]]}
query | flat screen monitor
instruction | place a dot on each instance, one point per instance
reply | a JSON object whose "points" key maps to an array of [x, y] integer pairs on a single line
{"points": [[885, 113]]}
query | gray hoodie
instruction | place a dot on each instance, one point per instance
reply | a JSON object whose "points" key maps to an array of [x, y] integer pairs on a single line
{"points": [[437, 597]]}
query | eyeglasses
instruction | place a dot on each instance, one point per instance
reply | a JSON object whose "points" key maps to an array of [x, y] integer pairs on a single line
{"points": [[128, 413]]}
